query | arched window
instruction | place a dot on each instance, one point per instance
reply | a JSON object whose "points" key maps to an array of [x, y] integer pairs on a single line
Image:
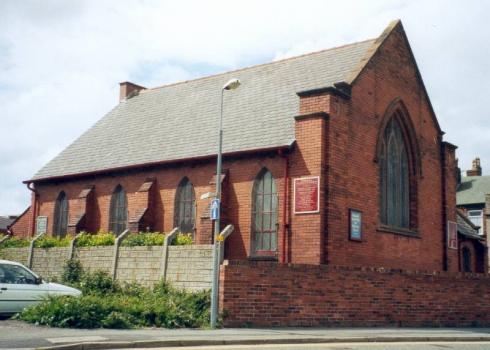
{"points": [[185, 207], [264, 215], [394, 177], [118, 211], [466, 259], [60, 226]]}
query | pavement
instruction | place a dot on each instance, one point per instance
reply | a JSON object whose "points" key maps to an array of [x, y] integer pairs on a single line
{"points": [[19, 335]]}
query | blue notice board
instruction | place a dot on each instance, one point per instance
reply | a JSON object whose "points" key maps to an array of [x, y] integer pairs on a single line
{"points": [[215, 209], [355, 223]]}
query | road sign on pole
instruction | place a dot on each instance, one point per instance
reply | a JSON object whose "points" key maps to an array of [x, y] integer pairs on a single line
{"points": [[215, 206]]}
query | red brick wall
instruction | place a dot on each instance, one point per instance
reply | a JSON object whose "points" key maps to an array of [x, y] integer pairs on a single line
{"points": [[353, 174], [21, 227], [270, 294], [237, 193]]}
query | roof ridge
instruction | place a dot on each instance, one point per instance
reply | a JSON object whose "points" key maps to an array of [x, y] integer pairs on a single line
{"points": [[260, 65]]}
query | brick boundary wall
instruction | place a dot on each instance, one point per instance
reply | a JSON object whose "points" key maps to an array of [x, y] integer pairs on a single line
{"points": [[271, 294], [189, 267]]}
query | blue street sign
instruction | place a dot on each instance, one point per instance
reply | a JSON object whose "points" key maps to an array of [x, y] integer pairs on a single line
{"points": [[215, 209]]}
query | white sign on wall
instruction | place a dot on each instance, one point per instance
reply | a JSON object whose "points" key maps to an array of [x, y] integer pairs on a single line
{"points": [[41, 224]]}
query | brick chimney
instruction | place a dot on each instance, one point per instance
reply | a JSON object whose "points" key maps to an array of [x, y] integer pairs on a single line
{"points": [[128, 90], [475, 169]]}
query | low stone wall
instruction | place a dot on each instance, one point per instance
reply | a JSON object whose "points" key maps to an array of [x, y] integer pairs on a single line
{"points": [[140, 264], [95, 258], [49, 262], [15, 254], [271, 294], [188, 267]]}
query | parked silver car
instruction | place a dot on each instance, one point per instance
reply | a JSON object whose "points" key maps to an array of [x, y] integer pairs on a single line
{"points": [[20, 288]]}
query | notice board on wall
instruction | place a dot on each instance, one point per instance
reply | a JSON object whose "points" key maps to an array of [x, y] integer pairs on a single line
{"points": [[307, 195]]}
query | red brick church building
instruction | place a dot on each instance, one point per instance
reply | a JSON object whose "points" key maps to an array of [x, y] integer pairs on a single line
{"points": [[333, 157]]}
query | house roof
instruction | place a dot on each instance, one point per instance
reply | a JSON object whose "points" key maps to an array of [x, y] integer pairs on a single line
{"points": [[466, 227], [180, 121], [472, 190], [5, 221]]}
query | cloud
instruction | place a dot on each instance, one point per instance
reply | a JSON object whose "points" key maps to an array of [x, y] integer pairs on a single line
{"points": [[61, 61]]}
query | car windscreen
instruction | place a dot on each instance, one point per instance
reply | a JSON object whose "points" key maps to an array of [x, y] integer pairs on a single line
{"points": [[15, 274]]}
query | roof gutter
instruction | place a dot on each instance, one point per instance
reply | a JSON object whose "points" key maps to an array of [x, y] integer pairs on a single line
{"points": [[159, 163]]}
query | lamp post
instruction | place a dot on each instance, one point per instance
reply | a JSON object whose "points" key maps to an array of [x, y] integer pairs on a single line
{"points": [[230, 85]]}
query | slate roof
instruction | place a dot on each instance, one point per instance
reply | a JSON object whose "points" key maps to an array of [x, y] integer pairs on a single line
{"points": [[466, 227], [472, 190], [5, 221], [179, 121]]}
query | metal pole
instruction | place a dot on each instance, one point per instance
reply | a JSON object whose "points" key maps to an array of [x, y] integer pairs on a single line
{"points": [[215, 284]]}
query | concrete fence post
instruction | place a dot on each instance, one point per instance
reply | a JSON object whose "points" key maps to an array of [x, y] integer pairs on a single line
{"points": [[31, 249], [3, 239], [71, 252], [117, 244], [228, 230], [166, 243], [218, 254]]}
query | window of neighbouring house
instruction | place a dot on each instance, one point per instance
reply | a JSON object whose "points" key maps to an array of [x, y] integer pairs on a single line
{"points": [[264, 215], [60, 222], [466, 259], [119, 211], [185, 207], [476, 217]]}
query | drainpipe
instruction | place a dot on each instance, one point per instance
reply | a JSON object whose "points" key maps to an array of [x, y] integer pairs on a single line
{"points": [[33, 206], [285, 224], [444, 206]]}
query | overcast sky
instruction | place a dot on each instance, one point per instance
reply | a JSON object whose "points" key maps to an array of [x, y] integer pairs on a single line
{"points": [[61, 61]]}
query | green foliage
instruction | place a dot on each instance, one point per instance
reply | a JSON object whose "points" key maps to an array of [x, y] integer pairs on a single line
{"points": [[143, 239], [183, 239], [95, 240], [98, 282], [50, 242], [15, 242], [72, 271], [109, 305]]}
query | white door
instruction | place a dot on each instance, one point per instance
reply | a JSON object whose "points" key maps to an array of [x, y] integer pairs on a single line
{"points": [[19, 288]]}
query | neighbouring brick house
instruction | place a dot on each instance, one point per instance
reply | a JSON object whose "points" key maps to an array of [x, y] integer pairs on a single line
{"points": [[334, 157], [473, 201], [6, 222]]}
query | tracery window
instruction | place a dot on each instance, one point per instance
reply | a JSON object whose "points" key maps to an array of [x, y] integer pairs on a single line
{"points": [[118, 211], [264, 214], [394, 177], [60, 226], [185, 207]]}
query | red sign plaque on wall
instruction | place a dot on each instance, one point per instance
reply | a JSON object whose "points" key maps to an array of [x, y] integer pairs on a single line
{"points": [[307, 195]]}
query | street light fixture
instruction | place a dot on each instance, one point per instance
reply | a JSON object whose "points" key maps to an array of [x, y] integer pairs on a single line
{"points": [[230, 85]]}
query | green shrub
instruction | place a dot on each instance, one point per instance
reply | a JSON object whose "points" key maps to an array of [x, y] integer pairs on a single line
{"points": [[95, 240], [129, 306], [98, 282], [143, 239], [15, 242], [72, 272], [50, 242], [183, 239]]}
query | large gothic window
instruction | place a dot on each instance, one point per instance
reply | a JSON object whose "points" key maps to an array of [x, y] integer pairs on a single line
{"points": [[118, 211], [185, 207], [394, 177], [60, 227], [264, 215]]}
